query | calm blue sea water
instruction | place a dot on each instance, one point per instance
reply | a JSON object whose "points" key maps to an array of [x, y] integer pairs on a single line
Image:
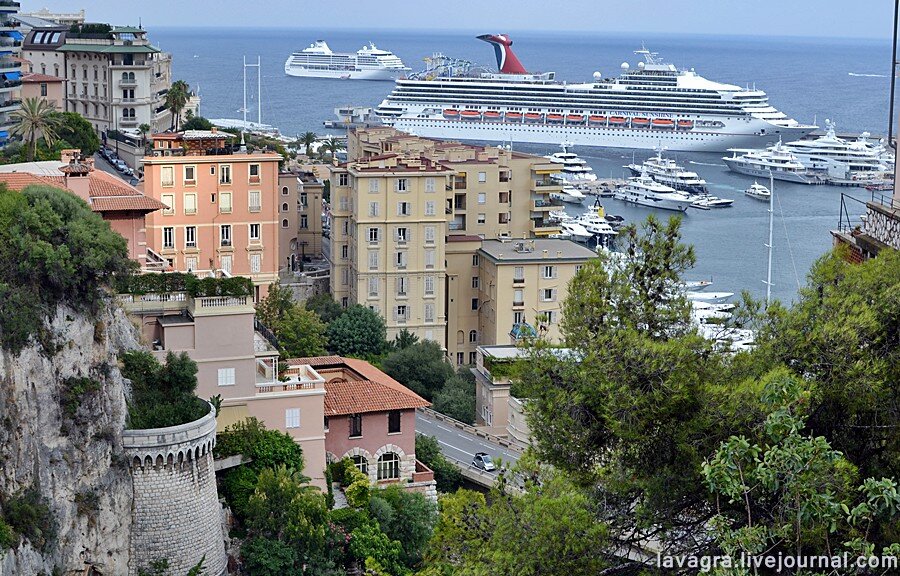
{"points": [[845, 80]]}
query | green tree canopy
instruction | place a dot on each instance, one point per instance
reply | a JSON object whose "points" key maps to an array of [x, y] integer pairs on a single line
{"points": [[325, 306], [162, 395], [457, 397], [197, 123], [407, 517], [77, 132], [421, 367], [301, 334], [275, 305], [37, 119], [359, 331]]}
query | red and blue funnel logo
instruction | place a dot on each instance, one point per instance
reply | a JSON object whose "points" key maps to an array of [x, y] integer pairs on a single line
{"points": [[507, 62]]}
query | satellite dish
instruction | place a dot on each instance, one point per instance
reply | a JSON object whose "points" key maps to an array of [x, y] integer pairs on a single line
{"points": [[641, 65], [625, 66], [597, 75]]}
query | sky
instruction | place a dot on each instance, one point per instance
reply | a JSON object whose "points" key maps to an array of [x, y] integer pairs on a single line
{"points": [[823, 18]]}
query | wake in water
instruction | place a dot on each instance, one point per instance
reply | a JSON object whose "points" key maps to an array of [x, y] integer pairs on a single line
{"points": [[867, 75], [705, 164]]}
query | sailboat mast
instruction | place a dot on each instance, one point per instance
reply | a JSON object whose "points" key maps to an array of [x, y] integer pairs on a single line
{"points": [[244, 108], [769, 245], [258, 91]]}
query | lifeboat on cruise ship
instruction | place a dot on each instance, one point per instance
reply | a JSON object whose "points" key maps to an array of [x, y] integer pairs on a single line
{"points": [[491, 115], [636, 122], [685, 124], [617, 120], [470, 114], [451, 113], [663, 123], [597, 119], [514, 116], [533, 117], [554, 118], [575, 119]]}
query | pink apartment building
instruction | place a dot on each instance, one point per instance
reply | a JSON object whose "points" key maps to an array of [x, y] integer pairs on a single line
{"points": [[221, 206]]}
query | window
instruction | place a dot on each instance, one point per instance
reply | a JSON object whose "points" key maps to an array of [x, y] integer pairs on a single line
{"points": [[284, 191], [551, 316], [473, 336], [429, 208], [518, 317], [460, 358], [518, 298], [402, 235], [401, 260], [226, 376], [304, 221], [343, 202], [429, 234], [292, 418], [394, 422], [482, 198], [43, 88], [475, 281], [255, 263], [482, 177], [578, 268], [373, 259], [548, 294], [404, 209], [429, 184], [284, 207], [190, 263], [401, 185], [429, 258], [429, 312], [373, 286], [224, 173], [169, 201], [549, 271], [190, 175], [225, 235], [254, 232], [373, 185], [254, 173], [481, 218], [255, 202], [304, 199], [429, 285], [285, 223], [225, 263], [167, 176], [343, 179], [388, 466], [190, 203], [474, 303], [190, 237], [473, 357], [374, 235], [518, 274], [168, 237], [400, 313], [360, 462], [344, 252], [474, 259], [355, 425], [401, 286], [373, 208], [345, 301], [225, 202]]}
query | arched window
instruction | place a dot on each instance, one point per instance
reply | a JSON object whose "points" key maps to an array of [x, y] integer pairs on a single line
{"points": [[284, 207], [361, 464], [284, 223], [473, 336], [284, 190], [460, 337], [388, 466]]}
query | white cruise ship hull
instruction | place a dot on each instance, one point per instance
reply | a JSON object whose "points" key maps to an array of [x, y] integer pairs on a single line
{"points": [[735, 165], [737, 133], [374, 74]]}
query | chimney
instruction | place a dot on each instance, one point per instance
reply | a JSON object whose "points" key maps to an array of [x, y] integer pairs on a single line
{"points": [[214, 129], [546, 253], [559, 253]]}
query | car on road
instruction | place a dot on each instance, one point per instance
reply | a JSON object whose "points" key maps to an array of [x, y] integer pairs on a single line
{"points": [[483, 460]]}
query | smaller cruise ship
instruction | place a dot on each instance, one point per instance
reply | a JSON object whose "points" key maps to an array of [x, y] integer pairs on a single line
{"points": [[667, 171], [776, 160], [645, 191], [368, 63], [574, 169], [838, 157]]}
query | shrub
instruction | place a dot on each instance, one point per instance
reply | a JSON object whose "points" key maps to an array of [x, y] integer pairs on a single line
{"points": [[268, 557], [162, 396], [428, 452], [339, 469], [358, 493], [359, 331], [74, 390], [237, 485], [267, 448], [7, 537], [28, 515]]}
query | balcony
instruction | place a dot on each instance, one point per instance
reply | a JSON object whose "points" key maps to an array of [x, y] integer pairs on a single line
{"points": [[456, 226], [422, 473], [546, 186], [543, 205], [131, 100], [127, 82], [9, 65], [544, 228], [128, 122]]}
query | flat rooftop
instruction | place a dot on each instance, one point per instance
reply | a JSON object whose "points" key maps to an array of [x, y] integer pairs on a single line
{"points": [[535, 250]]}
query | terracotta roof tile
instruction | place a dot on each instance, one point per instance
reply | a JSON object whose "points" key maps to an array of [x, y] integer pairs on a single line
{"points": [[41, 78], [21, 180], [315, 361], [362, 396], [107, 192]]}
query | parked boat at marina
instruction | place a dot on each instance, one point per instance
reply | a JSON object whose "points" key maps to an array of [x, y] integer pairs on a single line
{"points": [[574, 169], [758, 192], [569, 194], [645, 191], [577, 232], [706, 201], [667, 171], [776, 160]]}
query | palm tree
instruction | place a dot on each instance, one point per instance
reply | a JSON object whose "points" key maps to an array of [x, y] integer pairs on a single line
{"points": [[332, 146], [308, 139], [144, 129], [176, 98], [37, 119]]}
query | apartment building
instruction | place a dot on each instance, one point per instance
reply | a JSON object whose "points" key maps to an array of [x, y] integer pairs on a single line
{"points": [[10, 67], [44, 87], [116, 79], [387, 241], [223, 208], [300, 214]]}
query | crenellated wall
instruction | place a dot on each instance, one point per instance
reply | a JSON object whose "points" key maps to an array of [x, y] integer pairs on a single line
{"points": [[176, 511]]}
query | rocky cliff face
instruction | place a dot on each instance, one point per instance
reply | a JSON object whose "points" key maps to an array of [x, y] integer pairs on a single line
{"points": [[61, 421]]}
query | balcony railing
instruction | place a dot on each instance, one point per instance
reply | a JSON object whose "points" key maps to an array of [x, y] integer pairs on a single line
{"points": [[456, 226], [275, 387], [219, 301], [128, 121], [128, 82]]}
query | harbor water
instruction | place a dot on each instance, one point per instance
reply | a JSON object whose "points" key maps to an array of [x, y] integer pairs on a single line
{"points": [[808, 79]]}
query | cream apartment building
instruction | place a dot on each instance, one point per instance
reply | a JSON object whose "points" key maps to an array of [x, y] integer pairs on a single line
{"points": [[300, 203]]}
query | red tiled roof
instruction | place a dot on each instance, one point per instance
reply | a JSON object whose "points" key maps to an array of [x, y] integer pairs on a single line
{"points": [[315, 361], [107, 192], [21, 180], [362, 396], [41, 78]]}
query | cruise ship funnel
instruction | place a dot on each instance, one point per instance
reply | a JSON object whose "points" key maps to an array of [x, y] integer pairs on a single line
{"points": [[507, 62]]}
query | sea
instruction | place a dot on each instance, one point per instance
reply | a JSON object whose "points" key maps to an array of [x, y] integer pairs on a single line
{"points": [[810, 79]]}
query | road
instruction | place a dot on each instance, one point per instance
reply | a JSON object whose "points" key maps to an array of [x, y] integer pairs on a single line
{"points": [[460, 444]]}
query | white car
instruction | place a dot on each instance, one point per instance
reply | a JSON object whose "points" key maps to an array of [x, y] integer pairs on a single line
{"points": [[483, 461]]}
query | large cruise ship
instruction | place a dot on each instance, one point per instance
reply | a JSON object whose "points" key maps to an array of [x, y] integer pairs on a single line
{"points": [[368, 63], [653, 105]]}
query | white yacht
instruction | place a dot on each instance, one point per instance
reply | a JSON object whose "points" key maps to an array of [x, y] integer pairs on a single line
{"points": [[576, 231], [758, 192], [368, 63], [776, 160], [838, 157], [646, 191], [706, 201], [648, 105], [667, 171], [569, 194], [595, 224], [574, 169]]}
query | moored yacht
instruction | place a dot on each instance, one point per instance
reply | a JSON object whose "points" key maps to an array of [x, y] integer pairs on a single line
{"points": [[667, 171], [576, 231], [645, 191], [706, 201], [569, 194], [574, 169], [758, 192], [777, 161], [838, 157]]}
